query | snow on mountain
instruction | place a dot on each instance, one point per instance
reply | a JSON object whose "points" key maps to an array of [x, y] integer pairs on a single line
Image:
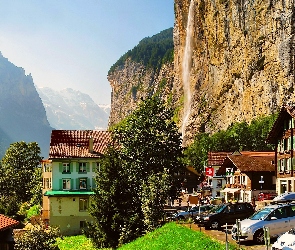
{"points": [[72, 109]]}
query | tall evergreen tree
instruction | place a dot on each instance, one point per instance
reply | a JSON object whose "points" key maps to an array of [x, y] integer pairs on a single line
{"points": [[136, 176]]}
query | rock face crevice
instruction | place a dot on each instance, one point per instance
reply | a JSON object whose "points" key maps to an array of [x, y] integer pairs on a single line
{"points": [[242, 65]]}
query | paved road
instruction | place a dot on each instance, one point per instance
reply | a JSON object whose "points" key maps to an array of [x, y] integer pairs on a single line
{"points": [[221, 235]]}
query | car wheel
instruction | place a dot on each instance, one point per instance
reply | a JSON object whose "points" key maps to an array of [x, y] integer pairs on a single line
{"points": [[215, 224], [181, 217], [259, 237]]}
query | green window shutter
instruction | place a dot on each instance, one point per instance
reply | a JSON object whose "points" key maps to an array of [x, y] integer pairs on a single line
{"points": [[72, 184], [77, 183], [94, 166], [60, 184], [87, 167], [60, 167], [88, 183], [77, 166], [71, 167], [93, 183]]}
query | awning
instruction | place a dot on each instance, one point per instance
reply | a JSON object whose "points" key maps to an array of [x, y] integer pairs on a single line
{"points": [[67, 193], [230, 190]]}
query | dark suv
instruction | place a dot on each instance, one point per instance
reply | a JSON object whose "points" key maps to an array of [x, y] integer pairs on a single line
{"points": [[225, 213]]}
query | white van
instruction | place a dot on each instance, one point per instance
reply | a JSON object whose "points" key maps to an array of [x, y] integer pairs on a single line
{"points": [[279, 218]]}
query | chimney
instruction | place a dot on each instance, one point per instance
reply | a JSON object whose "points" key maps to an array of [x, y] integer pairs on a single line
{"points": [[90, 144]]}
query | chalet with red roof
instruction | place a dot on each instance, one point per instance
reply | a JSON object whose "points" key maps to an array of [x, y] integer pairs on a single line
{"points": [[6, 229], [69, 177], [248, 174]]}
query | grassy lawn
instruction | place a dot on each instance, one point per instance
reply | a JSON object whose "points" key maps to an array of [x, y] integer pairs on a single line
{"points": [[171, 236], [79, 242]]}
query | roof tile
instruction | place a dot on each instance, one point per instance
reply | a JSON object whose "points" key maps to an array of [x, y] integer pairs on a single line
{"points": [[6, 222], [78, 143]]}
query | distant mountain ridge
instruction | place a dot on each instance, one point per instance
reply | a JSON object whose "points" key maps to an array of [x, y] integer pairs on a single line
{"points": [[23, 117], [72, 109]]}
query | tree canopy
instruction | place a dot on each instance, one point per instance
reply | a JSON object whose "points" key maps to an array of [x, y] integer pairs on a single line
{"points": [[237, 137], [136, 175], [151, 51], [20, 176]]}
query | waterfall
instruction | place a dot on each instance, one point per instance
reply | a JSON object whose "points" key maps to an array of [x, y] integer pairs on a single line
{"points": [[186, 67]]}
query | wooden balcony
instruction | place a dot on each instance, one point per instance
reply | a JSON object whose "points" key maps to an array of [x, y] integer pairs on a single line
{"points": [[45, 214]]}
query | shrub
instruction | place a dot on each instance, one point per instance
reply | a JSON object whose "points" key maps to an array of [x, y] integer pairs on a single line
{"points": [[37, 238]]}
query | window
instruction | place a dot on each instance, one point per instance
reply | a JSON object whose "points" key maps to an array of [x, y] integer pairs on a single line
{"points": [[46, 183], [66, 168], [82, 167], [219, 183], [47, 167], [83, 224], [66, 184], [288, 164], [282, 165], [83, 204], [83, 183]]}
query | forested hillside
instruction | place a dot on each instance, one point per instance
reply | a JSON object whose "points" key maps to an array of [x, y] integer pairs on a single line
{"points": [[152, 52]]}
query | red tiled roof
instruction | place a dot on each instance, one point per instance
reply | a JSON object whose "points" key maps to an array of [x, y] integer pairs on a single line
{"points": [[217, 158], [249, 161], [6, 222], [77, 143]]}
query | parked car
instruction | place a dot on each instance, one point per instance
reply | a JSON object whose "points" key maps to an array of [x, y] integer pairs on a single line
{"points": [[285, 241], [290, 196], [192, 212], [225, 213], [279, 218]]}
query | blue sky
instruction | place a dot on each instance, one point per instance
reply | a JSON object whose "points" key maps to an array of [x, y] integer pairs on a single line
{"points": [[73, 43]]}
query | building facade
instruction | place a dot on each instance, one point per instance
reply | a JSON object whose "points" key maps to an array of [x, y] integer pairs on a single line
{"points": [[282, 136], [69, 177]]}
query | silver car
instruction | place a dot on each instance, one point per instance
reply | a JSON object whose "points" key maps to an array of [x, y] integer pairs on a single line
{"points": [[279, 218], [193, 212]]}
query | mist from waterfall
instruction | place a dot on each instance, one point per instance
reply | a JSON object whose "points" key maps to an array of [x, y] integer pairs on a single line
{"points": [[186, 66]]}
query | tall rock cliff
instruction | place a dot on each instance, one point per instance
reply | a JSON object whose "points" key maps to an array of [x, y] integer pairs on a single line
{"points": [[233, 61], [22, 113], [141, 72], [242, 60]]}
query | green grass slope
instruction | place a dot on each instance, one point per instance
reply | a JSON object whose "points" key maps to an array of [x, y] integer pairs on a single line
{"points": [[174, 236]]}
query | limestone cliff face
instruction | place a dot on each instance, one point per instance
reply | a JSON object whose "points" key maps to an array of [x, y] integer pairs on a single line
{"points": [[239, 64], [242, 63], [134, 82]]}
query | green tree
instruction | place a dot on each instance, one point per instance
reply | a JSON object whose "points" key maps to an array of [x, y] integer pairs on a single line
{"points": [[239, 136], [20, 176], [136, 176]]}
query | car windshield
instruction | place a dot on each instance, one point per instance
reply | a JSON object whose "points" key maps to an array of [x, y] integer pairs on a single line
{"points": [[217, 209], [196, 209], [261, 214]]}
